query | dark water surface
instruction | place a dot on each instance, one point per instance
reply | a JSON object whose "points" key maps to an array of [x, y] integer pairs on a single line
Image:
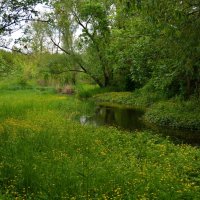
{"points": [[132, 120]]}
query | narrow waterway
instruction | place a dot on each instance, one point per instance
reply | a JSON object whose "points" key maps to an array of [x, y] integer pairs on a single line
{"points": [[132, 120]]}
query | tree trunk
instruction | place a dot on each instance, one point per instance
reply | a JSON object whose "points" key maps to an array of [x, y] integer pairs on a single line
{"points": [[188, 86], [106, 80]]}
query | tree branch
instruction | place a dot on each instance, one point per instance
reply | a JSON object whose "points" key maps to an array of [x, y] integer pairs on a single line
{"points": [[69, 53], [84, 70], [57, 45], [84, 27]]}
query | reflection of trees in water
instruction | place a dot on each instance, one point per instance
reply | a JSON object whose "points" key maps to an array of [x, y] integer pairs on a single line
{"points": [[104, 115], [109, 116], [129, 119], [125, 118]]}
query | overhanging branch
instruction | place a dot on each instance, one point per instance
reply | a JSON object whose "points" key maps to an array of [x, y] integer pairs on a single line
{"points": [[62, 49], [84, 70]]}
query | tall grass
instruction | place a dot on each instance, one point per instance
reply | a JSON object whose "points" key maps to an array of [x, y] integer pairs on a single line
{"points": [[45, 154]]}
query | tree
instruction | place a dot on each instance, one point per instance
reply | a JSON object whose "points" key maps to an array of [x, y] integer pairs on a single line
{"points": [[91, 18], [124, 43], [159, 42], [178, 24], [13, 13]]}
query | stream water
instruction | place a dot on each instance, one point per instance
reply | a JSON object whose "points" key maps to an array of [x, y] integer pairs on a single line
{"points": [[132, 120]]}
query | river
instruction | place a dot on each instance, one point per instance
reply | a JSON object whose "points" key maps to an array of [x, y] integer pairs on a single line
{"points": [[133, 120]]}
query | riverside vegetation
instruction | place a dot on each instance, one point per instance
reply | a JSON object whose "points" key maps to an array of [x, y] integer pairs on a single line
{"points": [[46, 154], [139, 53]]}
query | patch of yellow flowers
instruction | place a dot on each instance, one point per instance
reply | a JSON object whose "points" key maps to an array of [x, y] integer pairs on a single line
{"points": [[18, 124]]}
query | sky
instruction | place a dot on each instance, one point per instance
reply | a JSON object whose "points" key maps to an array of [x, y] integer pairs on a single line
{"points": [[19, 33], [40, 8]]}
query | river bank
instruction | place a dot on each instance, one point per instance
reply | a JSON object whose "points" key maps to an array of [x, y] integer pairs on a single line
{"points": [[174, 112]]}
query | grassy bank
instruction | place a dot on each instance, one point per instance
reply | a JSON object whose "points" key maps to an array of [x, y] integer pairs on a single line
{"points": [[175, 113], [135, 99], [45, 154]]}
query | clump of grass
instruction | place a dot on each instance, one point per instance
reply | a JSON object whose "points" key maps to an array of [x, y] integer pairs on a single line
{"points": [[44, 154]]}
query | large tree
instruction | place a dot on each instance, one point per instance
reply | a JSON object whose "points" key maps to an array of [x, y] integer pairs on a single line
{"points": [[176, 42], [91, 18]]}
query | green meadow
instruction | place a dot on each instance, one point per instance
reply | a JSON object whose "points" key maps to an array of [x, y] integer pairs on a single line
{"points": [[46, 154]]}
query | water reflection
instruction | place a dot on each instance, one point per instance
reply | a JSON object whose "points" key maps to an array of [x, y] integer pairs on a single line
{"points": [[124, 118], [132, 119]]}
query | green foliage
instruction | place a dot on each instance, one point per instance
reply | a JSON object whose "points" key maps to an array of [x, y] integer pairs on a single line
{"points": [[19, 71], [52, 63], [85, 91], [91, 18], [121, 44], [157, 43], [176, 113], [178, 60], [15, 14], [132, 52], [46, 155], [97, 13], [54, 69], [8, 63]]}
